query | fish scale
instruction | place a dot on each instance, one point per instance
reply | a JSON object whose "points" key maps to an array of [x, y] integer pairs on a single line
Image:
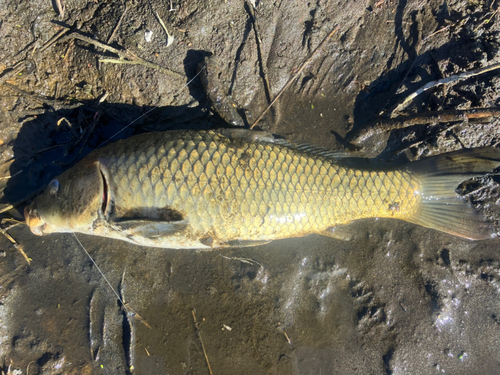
{"points": [[250, 191]]}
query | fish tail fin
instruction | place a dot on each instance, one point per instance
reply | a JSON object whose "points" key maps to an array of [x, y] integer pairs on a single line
{"points": [[441, 208]]}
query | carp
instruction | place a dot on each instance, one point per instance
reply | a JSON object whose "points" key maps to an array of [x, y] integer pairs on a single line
{"points": [[209, 189]]}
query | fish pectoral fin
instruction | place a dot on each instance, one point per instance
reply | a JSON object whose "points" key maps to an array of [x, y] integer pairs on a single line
{"points": [[149, 228], [245, 243], [209, 241]]}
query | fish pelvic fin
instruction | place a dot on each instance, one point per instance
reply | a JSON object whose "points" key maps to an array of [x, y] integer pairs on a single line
{"points": [[441, 207]]}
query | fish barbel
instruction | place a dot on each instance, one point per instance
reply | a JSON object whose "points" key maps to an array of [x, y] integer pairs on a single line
{"points": [[209, 189]]}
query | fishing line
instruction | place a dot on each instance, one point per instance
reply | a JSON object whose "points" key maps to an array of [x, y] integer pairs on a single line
{"points": [[152, 109], [102, 274]]}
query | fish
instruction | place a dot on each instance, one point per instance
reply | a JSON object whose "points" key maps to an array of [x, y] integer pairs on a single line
{"points": [[209, 189]]}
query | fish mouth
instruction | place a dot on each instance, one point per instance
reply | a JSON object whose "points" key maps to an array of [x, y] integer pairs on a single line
{"points": [[34, 221]]}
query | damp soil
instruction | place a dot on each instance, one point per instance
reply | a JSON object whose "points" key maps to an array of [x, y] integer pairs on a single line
{"points": [[395, 299]]}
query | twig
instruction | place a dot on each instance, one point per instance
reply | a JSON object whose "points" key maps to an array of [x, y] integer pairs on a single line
{"points": [[97, 117], [201, 341], [170, 38], [60, 8], [436, 32], [19, 202], [13, 221], [111, 37], [52, 103], [487, 21], [56, 94], [287, 338], [41, 111], [54, 39], [8, 177], [430, 118], [304, 64], [14, 242], [71, 45], [140, 318], [126, 57], [450, 79], [28, 368], [21, 65], [40, 98], [263, 73]]}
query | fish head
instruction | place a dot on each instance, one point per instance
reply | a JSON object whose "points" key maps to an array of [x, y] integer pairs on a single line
{"points": [[73, 202]]}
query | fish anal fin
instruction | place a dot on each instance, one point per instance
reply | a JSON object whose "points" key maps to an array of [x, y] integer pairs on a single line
{"points": [[342, 232], [262, 136]]}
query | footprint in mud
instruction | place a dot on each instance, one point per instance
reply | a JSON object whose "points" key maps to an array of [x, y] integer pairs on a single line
{"points": [[328, 291], [248, 275], [370, 312]]}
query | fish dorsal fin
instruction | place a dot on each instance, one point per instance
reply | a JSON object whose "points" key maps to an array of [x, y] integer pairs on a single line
{"points": [[266, 137], [247, 135], [315, 150]]}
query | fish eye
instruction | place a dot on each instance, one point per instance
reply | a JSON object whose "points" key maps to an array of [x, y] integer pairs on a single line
{"points": [[53, 187]]}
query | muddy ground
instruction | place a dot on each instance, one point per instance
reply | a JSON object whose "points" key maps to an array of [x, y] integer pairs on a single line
{"points": [[396, 299]]}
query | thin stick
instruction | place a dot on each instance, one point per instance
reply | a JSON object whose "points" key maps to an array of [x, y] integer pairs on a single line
{"points": [[14, 222], [14, 242], [39, 98], [201, 341], [450, 79], [9, 177], [436, 32], [267, 87], [56, 94], [111, 37], [20, 65], [430, 118], [304, 64], [487, 21], [170, 38], [53, 40], [19, 202], [60, 8], [143, 63], [20, 249], [28, 368], [97, 116], [126, 57]]}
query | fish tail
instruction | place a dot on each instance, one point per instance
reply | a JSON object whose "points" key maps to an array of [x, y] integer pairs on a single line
{"points": [[441, 207]]}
